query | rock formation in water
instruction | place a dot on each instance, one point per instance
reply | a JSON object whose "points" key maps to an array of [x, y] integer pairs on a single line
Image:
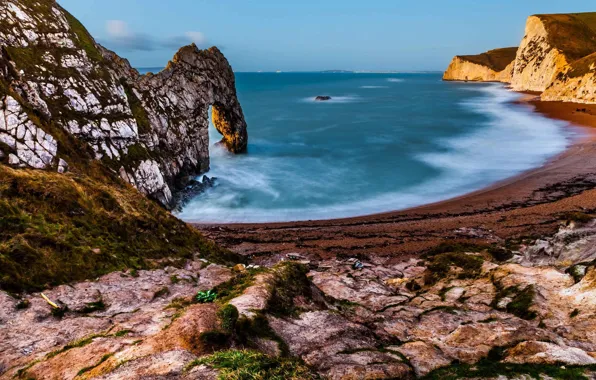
{"points": [[492, 66], [556, 57], [58, 84]]}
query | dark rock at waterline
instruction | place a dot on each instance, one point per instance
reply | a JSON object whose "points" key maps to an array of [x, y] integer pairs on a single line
{"points": [[192, 189], [322, 98]]}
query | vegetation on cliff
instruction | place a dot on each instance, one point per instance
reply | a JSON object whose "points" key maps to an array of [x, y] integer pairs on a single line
{"points": [[555, 57], [573, 34], [497, 59], [58, 228]]}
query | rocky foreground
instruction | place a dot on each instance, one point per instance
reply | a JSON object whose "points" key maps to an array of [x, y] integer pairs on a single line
{"points": [[510, 310]]}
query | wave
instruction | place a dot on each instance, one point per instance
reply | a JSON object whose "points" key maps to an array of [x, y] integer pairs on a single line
{"points": [[395, 80], [514, 139], [373, 87], [509, 140]]}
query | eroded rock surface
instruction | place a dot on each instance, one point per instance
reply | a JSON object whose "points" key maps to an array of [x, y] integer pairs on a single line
{"points": [[59, 85], [124, 315], [455, 310]]}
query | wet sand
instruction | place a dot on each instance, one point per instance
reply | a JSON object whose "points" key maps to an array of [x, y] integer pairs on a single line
{"points": [[534, 203]]}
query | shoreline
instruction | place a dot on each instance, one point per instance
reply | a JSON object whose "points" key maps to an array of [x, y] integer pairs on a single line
{"points": [[565, 183]]}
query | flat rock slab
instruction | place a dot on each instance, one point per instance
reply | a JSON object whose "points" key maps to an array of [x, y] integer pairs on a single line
{"points": [[137, 306]]}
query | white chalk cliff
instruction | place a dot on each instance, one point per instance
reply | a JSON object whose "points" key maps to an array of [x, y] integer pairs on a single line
{"points": [[556, 57], [62, 95]]}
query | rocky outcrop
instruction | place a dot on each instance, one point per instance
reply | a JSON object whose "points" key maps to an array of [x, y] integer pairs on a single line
{"points": [[556, 57], [492, 66], [60, 88], [453, 313], [550, 44], [576, 84]]}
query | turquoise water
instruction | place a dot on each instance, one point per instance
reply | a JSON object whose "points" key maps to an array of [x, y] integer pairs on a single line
{"points": [[384, 142]]}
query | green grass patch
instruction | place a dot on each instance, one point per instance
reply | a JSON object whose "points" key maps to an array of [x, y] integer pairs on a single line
{"points": [[138, 111], [440, 266], [497, 59], [208, 296], [487, 368], [253, 365], [179, 303], [237, 285], [289, 281], [122, 333], [520, 306], [85, 40], [87, 369], [94, 306], [228, 316], [570, 34], [77, 343], [58, 228], [521, 301], [258, 327]]}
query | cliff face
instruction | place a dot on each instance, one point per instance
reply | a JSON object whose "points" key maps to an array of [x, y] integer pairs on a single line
{"points": [[550, 44], [576, 84], [492, 66], [59, 88], [555, 57]]}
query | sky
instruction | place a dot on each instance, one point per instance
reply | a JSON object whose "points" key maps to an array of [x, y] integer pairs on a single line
{"points": [[310, 35]]}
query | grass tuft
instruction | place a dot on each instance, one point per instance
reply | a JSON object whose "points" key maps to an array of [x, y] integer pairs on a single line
{"points": [[253, 365]]}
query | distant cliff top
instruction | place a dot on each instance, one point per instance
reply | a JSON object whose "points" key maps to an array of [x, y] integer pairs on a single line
{"points": [[574, 34], [556, 57], [496, 60]]}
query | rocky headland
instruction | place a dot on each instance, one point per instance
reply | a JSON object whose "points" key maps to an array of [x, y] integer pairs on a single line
{"points": [[152, 130], [98, 281], [555, 58], [492, 66]]}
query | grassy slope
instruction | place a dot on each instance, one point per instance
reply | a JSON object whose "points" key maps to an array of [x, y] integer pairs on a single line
{"points": [[574, 34], [59, 228], [497, 59]]}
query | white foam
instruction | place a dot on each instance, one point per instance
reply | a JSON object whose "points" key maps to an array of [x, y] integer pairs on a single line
{"points": [[370, 87], [513, 139], [395, 80]]}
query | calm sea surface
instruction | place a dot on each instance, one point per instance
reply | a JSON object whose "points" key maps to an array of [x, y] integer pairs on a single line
{"points": [[384, 142]]}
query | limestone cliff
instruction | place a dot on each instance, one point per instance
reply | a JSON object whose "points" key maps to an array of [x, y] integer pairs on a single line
{"points": [[576, 84], [492, 66], [550, 44], [557, 57], [60, 89]]}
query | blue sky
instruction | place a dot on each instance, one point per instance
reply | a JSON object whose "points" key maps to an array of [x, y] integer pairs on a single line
{"points": [[313, 35]]}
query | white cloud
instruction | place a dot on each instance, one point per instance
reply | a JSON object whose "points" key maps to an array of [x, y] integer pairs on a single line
{"points": [[197, 37], [118, 29], [121, 36]]}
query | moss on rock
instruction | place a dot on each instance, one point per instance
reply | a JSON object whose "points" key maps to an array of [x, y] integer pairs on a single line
{"points": [[58, 228]]}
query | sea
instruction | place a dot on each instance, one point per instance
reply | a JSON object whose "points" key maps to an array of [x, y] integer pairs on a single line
{"points": [[383, 142]]}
